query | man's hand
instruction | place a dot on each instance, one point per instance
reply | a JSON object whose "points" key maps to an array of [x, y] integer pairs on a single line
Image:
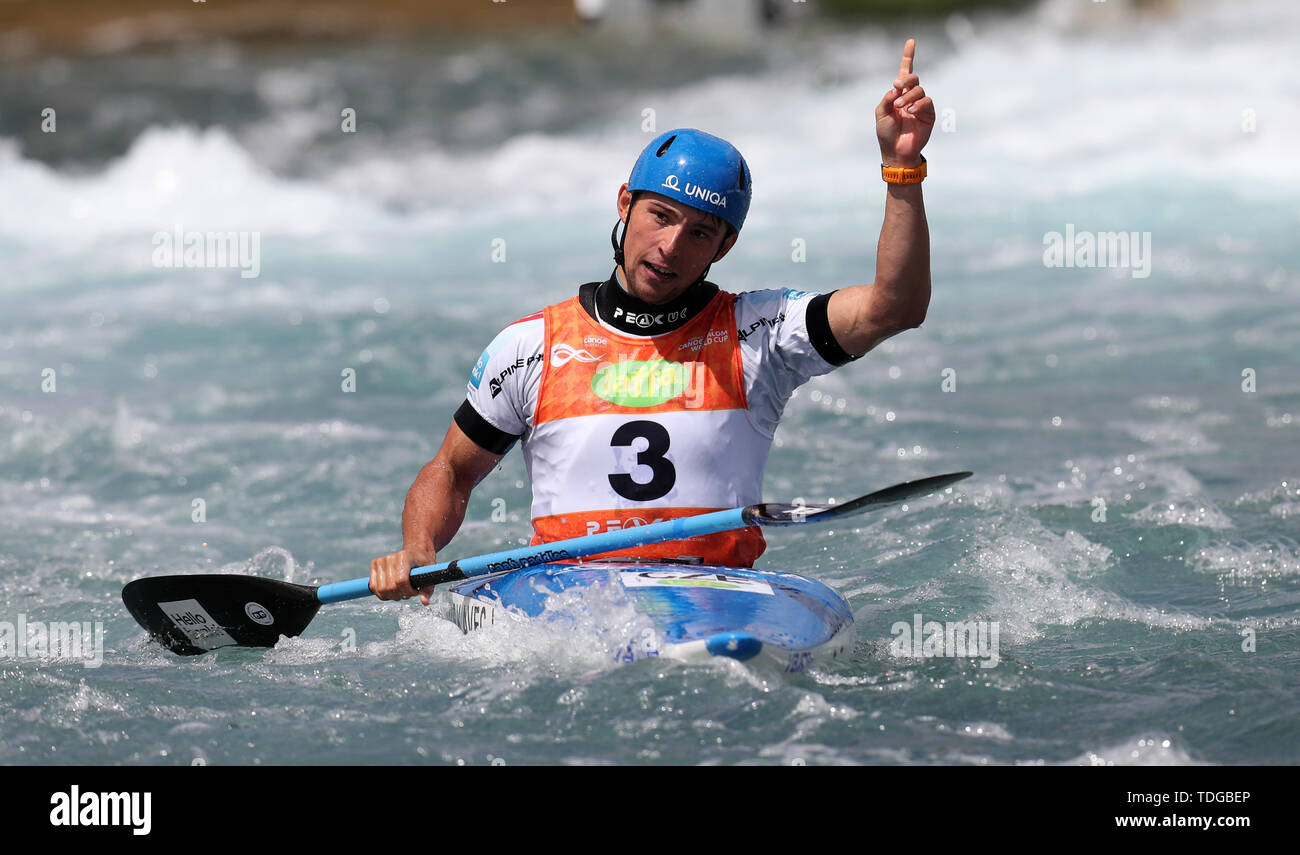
{"points": [[905, 116], [390, 574]]}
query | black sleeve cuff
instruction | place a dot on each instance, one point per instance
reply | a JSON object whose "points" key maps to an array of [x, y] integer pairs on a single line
{"points": [[485, 435], [819, 331]]}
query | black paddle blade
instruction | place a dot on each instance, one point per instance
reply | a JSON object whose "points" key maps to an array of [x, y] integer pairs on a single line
{"points": [[195, 614], [776, 514]]}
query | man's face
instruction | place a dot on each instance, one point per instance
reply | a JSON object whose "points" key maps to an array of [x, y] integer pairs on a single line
{"points": [[668, 245]]}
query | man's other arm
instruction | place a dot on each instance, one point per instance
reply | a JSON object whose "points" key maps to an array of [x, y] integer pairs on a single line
{"points": [[864, 315]]}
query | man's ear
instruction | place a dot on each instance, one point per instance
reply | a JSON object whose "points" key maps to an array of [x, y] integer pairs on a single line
{"points": [[727, 243], [624, 203]]}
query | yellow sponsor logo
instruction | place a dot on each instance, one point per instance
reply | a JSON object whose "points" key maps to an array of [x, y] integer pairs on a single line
{"points": [[641, 383]]}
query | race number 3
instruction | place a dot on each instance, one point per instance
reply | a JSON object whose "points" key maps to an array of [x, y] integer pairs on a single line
{"points": [[665, 475]]}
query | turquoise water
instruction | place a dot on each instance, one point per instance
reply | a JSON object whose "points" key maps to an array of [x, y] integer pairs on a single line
{"points": [[1171, 399]]}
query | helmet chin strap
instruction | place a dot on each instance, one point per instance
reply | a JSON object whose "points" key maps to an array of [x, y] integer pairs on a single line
{"points": [[618, 243]]}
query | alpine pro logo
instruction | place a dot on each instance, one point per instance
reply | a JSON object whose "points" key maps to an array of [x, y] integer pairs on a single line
{"points": [[495, 383], [562, 354], [695, 191]]}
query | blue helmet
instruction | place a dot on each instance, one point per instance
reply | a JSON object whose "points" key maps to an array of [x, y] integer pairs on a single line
{"points": [[696, 169]]}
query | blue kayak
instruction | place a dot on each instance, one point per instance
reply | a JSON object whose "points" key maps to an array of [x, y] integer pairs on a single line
{"points": [[698, 611]]}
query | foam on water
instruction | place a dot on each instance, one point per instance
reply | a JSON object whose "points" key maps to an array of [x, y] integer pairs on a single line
{"points": [[202, 180], [1038, 581], [1201, 514], [579, 634], [1148, 750], [1083, 137], [1253, 563], [579, 631]]}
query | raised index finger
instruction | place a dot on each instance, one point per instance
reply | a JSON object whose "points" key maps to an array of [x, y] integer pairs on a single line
{"points": [[909, 51]]}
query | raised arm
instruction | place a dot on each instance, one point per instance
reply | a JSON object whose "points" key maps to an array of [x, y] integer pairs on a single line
{"points": [[862, 316], [435, 509]]}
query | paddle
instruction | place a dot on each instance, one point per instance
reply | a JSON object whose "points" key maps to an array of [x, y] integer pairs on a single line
{"points": [[195, 614]]}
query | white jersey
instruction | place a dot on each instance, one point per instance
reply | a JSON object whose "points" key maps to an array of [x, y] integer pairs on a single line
{"points": [[681, 424], [777, 352]]}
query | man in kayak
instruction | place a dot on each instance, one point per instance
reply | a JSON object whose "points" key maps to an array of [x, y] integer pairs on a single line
{"points": [[654, 394]]}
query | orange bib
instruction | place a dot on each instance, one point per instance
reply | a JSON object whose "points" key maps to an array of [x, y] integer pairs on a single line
{"points": [[630, 431]]}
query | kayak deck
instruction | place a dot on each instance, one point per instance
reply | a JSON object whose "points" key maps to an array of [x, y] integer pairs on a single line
{"points": [[698, 611]]}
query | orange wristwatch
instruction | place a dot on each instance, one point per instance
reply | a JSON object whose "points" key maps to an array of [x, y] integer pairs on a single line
{"points": [[903, 174]]}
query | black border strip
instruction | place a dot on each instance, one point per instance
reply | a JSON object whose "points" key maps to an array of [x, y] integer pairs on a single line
{"points": [[486, 435], [819, 331]]}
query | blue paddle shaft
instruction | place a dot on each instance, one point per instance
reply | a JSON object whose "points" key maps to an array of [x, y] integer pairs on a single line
{"points": [[542, 553], [627, 538]]}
